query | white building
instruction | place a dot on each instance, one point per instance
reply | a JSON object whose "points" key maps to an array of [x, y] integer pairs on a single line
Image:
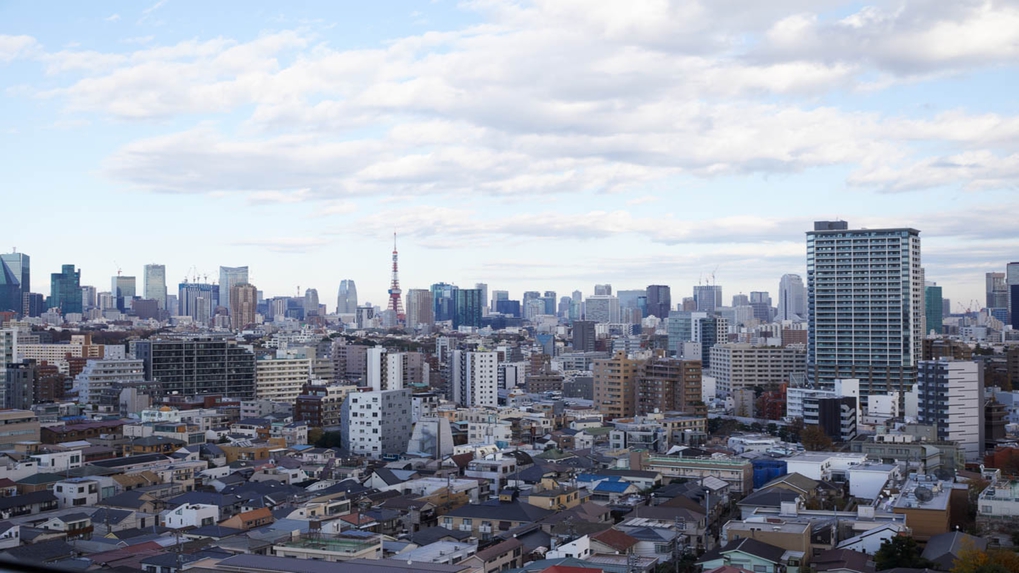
{"points": [[281, 380], [737, 366], [824, 466], [101, 380], [949, 396], [191, 515], [77, 492], [376, 423], [475, 378], [601, 308]]}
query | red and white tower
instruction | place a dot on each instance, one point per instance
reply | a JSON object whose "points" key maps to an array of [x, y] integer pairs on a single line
{"points": [[394, 289]]}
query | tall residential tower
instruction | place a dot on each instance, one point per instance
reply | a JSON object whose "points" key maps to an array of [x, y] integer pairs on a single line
{"points": [[864, 306]]}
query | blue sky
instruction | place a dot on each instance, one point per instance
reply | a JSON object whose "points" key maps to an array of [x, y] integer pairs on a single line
{"points": [[545, 145]]}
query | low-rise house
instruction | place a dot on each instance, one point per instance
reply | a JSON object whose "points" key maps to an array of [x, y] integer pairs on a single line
{"points": [[27, 504], [336, 547], [249, 519], [499, 557], [72, 525], [752, 555], [613, 541], [485, 520], [946, 549], [190, 515]]}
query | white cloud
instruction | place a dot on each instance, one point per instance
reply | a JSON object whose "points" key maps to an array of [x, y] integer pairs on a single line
{"points": [[13, 47], [284, 244], [112, 18]]}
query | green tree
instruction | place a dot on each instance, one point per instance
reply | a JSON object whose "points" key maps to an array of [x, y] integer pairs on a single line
{"points": [[327, 440], [815, 440], [899, 551]]}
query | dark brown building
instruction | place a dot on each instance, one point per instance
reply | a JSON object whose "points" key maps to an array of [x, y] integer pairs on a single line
{"points": [[934, 348], [668, 384]]}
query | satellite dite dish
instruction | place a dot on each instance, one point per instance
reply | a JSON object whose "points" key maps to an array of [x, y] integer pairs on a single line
{"points": [[923, 494]]}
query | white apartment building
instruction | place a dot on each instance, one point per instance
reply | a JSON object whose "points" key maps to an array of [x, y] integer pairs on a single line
{"points": [[949, 396], [100, 381], [281, 379], [475, 378], [191, 515], [376, 423], [736, 366]]}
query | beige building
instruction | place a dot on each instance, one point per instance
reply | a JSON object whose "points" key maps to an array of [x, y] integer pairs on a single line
{"points": [[737, 472], [17, 426], [281, 379], [737, 366], [615, 381], [243, 302]]}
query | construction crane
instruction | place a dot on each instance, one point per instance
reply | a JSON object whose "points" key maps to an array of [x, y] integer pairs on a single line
{"points": [[713, 275]]}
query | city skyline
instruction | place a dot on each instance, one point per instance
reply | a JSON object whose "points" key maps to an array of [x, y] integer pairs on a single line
{"points": [[661, 144]]}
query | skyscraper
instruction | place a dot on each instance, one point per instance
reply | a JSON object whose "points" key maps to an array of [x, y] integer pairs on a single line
{"points": [[792, 298], [228, 277], [1012, 284], [997, 290], [243, 301], [346, 299], [65, 290], [498, 295], [395, 302], [197, 300], [123, 290], [864, 306], [484, 297], [761, 303], [310, 302], [583, 336], [444, 300], [20, 265], [10, 289], [419, 307], [659, 301], [933, 308], [155, 284], [707, 297], [469, 302], [603, 290], [601, 308]]}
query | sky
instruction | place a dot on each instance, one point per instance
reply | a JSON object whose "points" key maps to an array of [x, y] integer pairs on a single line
{"points": [[546, 145]]}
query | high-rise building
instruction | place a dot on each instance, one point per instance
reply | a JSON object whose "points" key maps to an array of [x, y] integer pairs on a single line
{"points": [[244, 301], [197, 366], [10, 289], [615, 382], [997, 290], [684, 327], [20, 265], [88, 297], [761, 303], [864, 306], [484, 297], [792, 298], [741, 366], [228, 277], [469, 302], [376, 423], [933, 308], [444, 301], [420, 309], [197, 300], [346, 299], [508, 307], [281, 379], [65, 290], [123, 289], [707, 297], [310, 302], [669, 384], [603, 290], [474, 378], [950, 398], [101, 381], [155, 284], [659, 301], [498, 295], [601, 308], [946, 306], [583, 335], [1011, 282], [712, 330]]}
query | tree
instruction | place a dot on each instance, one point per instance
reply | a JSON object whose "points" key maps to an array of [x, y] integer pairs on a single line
{"points": [[327, 440], [795, 428], [899, 551], [315, 434], [815, 440], [973, 560]]}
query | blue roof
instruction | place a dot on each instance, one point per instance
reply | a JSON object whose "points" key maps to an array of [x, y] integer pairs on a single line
{"points": [[613, 486]]}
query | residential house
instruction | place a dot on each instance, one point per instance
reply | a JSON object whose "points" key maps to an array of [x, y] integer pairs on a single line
{"points": [[752, 555], [485, 520]]}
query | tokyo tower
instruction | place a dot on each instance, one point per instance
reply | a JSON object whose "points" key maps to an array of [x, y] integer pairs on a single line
{"points": [[395, 304]]}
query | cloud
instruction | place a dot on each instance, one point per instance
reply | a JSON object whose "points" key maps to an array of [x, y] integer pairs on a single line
{"points": [[112, 18], [556, 98], [289, 245], [13, 47]]}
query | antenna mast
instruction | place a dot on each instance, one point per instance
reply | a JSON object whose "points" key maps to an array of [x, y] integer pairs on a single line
{"points": [[395, 303]]}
